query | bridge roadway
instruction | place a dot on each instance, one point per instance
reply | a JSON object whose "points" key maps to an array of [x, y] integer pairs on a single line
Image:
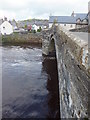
{"points": [[83, 35]]}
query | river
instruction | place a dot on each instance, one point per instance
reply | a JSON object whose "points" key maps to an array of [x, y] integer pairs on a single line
{"points": [[29, 83]]}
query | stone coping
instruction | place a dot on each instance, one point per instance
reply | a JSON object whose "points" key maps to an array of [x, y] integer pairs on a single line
{"points": [[81, 53]]}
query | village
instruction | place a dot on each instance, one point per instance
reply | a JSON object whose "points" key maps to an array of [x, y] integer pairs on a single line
{"points": [[44, 60], [74, 21]]}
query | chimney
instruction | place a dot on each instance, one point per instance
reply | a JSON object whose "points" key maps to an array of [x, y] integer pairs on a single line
{"points": [[73, 14], [5, 18]]}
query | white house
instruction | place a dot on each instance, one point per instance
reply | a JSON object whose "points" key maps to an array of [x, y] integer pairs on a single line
{"points": [[6, 28], [69, 22], [64, 21], [35, 27]]}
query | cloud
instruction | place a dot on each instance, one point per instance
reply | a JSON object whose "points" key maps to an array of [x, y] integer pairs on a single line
{"points": [[22, 9]]}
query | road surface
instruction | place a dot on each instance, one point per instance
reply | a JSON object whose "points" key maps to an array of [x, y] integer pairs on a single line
{"points": [[83, 35]]}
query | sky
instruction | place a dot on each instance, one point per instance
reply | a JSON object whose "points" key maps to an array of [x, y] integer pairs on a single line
{"points": [[42, 9]]}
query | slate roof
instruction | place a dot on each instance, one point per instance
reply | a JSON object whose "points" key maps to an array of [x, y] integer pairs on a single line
{"points": [[1, 21], [13, 23], [61, 19], [81, 15], [36, 22], [67, 19]]}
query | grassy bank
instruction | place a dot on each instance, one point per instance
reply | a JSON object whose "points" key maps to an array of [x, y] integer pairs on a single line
{"points": [[20, 39]]}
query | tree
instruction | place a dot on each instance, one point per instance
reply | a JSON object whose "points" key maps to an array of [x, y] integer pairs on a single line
{"points": [[25, 26], [55, 21]]}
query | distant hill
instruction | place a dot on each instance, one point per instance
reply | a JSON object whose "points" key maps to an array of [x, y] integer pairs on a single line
{"points": [[38, 22]]}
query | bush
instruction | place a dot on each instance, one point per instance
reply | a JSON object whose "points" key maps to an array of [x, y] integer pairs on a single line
{"points": [[39, 30], [32, 31]]}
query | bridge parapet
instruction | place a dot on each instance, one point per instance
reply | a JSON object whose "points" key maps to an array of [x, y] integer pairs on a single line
{"points": [[74, 74], [78, 47]]}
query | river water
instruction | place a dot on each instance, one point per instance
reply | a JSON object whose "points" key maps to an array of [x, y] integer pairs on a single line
{"points": [[29, 83]]}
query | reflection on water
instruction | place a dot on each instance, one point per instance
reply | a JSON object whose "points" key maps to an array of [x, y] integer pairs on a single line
{"points": [[29, 84], [50, 66]]}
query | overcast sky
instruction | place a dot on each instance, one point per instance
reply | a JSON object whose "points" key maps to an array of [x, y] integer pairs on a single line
{"points": [[27, 9]]}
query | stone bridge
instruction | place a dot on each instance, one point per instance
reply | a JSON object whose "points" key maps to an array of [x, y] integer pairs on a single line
{"points": [[73, 71]]}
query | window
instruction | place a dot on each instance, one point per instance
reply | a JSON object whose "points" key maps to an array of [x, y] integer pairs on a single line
{"points": [[3, 27], [71, 26]]}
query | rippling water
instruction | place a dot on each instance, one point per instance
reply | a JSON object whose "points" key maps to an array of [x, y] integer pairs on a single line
{"points": [[29, 84]]}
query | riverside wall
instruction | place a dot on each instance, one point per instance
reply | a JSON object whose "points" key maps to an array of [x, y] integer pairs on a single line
{"points": [[19, 38]]}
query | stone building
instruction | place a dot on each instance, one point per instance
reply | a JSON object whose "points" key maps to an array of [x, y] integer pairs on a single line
{"points": [[76, 20]]}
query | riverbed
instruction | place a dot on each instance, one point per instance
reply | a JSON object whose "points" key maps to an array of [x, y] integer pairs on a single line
{"points": [[29, 83]]}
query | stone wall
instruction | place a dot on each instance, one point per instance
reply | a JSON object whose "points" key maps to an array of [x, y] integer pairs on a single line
{"points": [[89, 16], [73, 73], [48, 45], [18, 38]]}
